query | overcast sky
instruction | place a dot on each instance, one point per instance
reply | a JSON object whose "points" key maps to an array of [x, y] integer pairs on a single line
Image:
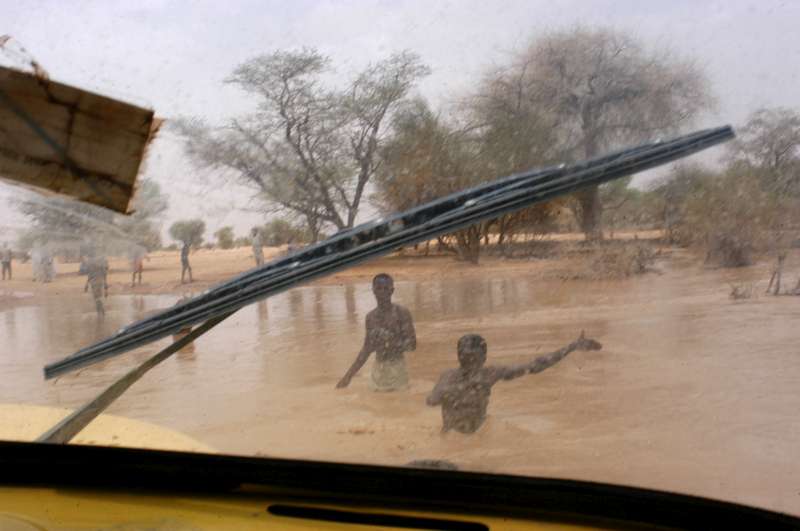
{"points": [[173, 55]]}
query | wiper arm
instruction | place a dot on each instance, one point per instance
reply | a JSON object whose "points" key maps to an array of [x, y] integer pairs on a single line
{"points": [[380, 237], [68, 427]]}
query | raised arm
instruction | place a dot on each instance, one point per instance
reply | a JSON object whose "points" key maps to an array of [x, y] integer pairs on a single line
{"points": [[543, 362], [363, 356]]}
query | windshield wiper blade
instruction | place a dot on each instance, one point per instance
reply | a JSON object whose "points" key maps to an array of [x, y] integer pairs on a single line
{"points": [[68, 427], [382, 236]]}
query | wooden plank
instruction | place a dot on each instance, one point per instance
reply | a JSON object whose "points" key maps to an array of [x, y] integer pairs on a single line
{"points": [[70, 141]]}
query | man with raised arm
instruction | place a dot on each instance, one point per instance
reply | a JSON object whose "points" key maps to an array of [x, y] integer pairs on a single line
{"points": [[390, 333], [464, 392]]}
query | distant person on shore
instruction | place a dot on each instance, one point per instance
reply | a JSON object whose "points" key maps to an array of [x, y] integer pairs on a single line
{"points": [[464, 392], [46, 271], [390, 333], [97, 279], [291, 246], [258, 246], [5, 257], [138, 255], [185, 267]]}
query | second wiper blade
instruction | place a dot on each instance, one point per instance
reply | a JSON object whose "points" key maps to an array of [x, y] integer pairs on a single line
{"points": [[383, 236]]}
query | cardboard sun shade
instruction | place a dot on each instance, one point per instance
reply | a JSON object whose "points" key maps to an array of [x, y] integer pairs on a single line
{"points": [[69, 141]]}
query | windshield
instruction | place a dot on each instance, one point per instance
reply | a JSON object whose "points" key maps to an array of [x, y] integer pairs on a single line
{"points": [[622, 320]]}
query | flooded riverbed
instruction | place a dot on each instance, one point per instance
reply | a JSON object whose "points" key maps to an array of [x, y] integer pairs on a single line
{"points": [[692, 392]]}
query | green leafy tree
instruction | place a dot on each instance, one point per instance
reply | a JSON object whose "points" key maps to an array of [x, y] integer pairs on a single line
{"points": [[425, 159], [243, 241], [225, 238], [189, 232], [280, 232]]}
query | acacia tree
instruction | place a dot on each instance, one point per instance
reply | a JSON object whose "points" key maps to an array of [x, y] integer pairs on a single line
{"points": [[309, 150], [602, 89]]}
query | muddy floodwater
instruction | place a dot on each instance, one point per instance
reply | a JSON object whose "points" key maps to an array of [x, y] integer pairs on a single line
{"points": [[692, 392]]}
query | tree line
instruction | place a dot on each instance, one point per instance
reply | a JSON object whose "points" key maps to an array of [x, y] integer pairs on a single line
{"points": [[748, 207], [274, 233], [317, 146], [313, 147]]}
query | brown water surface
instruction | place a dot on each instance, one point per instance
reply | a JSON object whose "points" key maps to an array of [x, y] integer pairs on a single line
{"points": [[693, 392]]}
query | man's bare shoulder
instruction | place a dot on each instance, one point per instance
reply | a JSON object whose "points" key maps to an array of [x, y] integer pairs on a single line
{"points": [[403, 311], [492, 373], [447, 375]]}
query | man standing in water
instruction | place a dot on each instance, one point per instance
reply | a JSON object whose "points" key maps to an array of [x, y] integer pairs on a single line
{"points": [[464, 393], [5, 258], [258, 246], [97, 278], [185, 262], [390, 333]]}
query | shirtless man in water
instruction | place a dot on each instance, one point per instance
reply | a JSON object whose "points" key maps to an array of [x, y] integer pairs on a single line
{"points": [[390, 333], [464, 393]]}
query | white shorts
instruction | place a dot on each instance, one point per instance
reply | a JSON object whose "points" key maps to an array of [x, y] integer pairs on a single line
{"points": [[389, 376]]}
